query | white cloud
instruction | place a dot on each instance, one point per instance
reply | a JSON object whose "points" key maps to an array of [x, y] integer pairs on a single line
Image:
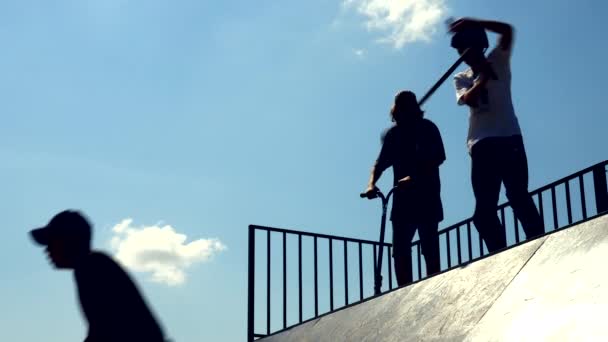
{"points": [[401, 21], [160, 251], [359, 53]]}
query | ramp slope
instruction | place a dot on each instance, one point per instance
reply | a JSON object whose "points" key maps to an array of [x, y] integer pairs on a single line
{"points": [[552, 288]]}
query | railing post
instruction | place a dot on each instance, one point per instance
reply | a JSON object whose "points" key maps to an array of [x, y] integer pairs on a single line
{"points": [[599, 185], [378, 266], [250, 285]]}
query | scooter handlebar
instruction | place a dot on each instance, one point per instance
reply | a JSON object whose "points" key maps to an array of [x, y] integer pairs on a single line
{"points": [[372, 195]]}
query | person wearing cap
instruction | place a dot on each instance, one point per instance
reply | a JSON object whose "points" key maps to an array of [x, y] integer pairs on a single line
{"points": [[109, 299], [494, 139], [414, 149]]}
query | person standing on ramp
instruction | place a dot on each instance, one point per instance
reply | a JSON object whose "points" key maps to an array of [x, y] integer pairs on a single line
{"points": [[494, 140], [413, 147]]}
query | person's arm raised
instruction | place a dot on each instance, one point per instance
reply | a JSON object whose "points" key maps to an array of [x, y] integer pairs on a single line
{"points": [[505, 31]]}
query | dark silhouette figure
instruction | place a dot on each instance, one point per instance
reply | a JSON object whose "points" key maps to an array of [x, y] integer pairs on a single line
{"points": [[494, 140], [413, 147], [109, 299]]}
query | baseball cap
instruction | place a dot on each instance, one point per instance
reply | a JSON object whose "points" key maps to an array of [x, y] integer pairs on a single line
{"points": [[471, 36], [68, 224]]}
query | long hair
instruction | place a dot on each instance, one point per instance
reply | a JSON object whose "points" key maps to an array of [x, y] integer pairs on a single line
{"points": [[405, 106]]}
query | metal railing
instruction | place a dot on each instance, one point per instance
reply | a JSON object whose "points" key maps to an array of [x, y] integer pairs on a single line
{"points": [[558, 219], [331, 241], [460, 244]]}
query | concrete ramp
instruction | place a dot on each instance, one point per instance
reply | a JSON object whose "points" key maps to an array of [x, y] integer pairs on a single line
{"points": [[551, 289]]}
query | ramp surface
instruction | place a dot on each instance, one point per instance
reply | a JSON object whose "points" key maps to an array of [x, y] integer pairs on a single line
{"points": [[550, 289]]}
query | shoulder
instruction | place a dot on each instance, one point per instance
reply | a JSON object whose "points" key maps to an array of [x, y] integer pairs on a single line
{"points": [[430, 128], [101, 271], [464, 79], [100, 258], [429, 125], [388, 133], [499, 55], [98, 263], [428, 122], [464, 75]]}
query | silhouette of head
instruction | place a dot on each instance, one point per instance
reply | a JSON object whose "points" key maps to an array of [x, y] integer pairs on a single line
{"points": [[473, 38], [67, 238], [406, 108]]}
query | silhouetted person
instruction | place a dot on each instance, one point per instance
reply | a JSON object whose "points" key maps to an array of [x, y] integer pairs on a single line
{"points": [[413, 147], [494, 140], [109, 299]]}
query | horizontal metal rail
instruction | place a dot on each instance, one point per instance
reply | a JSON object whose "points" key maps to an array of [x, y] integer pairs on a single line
{"points": [[317, 235]]}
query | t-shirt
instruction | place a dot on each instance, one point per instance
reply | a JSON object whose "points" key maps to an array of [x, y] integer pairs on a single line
{"points": [[405, 148], [112, 304], [494, 115]]}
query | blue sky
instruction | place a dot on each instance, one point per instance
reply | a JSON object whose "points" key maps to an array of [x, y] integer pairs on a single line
{"points": [[207, 116]]}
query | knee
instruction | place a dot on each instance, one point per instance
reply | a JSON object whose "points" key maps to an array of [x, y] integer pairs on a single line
{"points": [[401, 255], [485, 204], [518, 194], [516, 190], [483, 211], [430, 248]]}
